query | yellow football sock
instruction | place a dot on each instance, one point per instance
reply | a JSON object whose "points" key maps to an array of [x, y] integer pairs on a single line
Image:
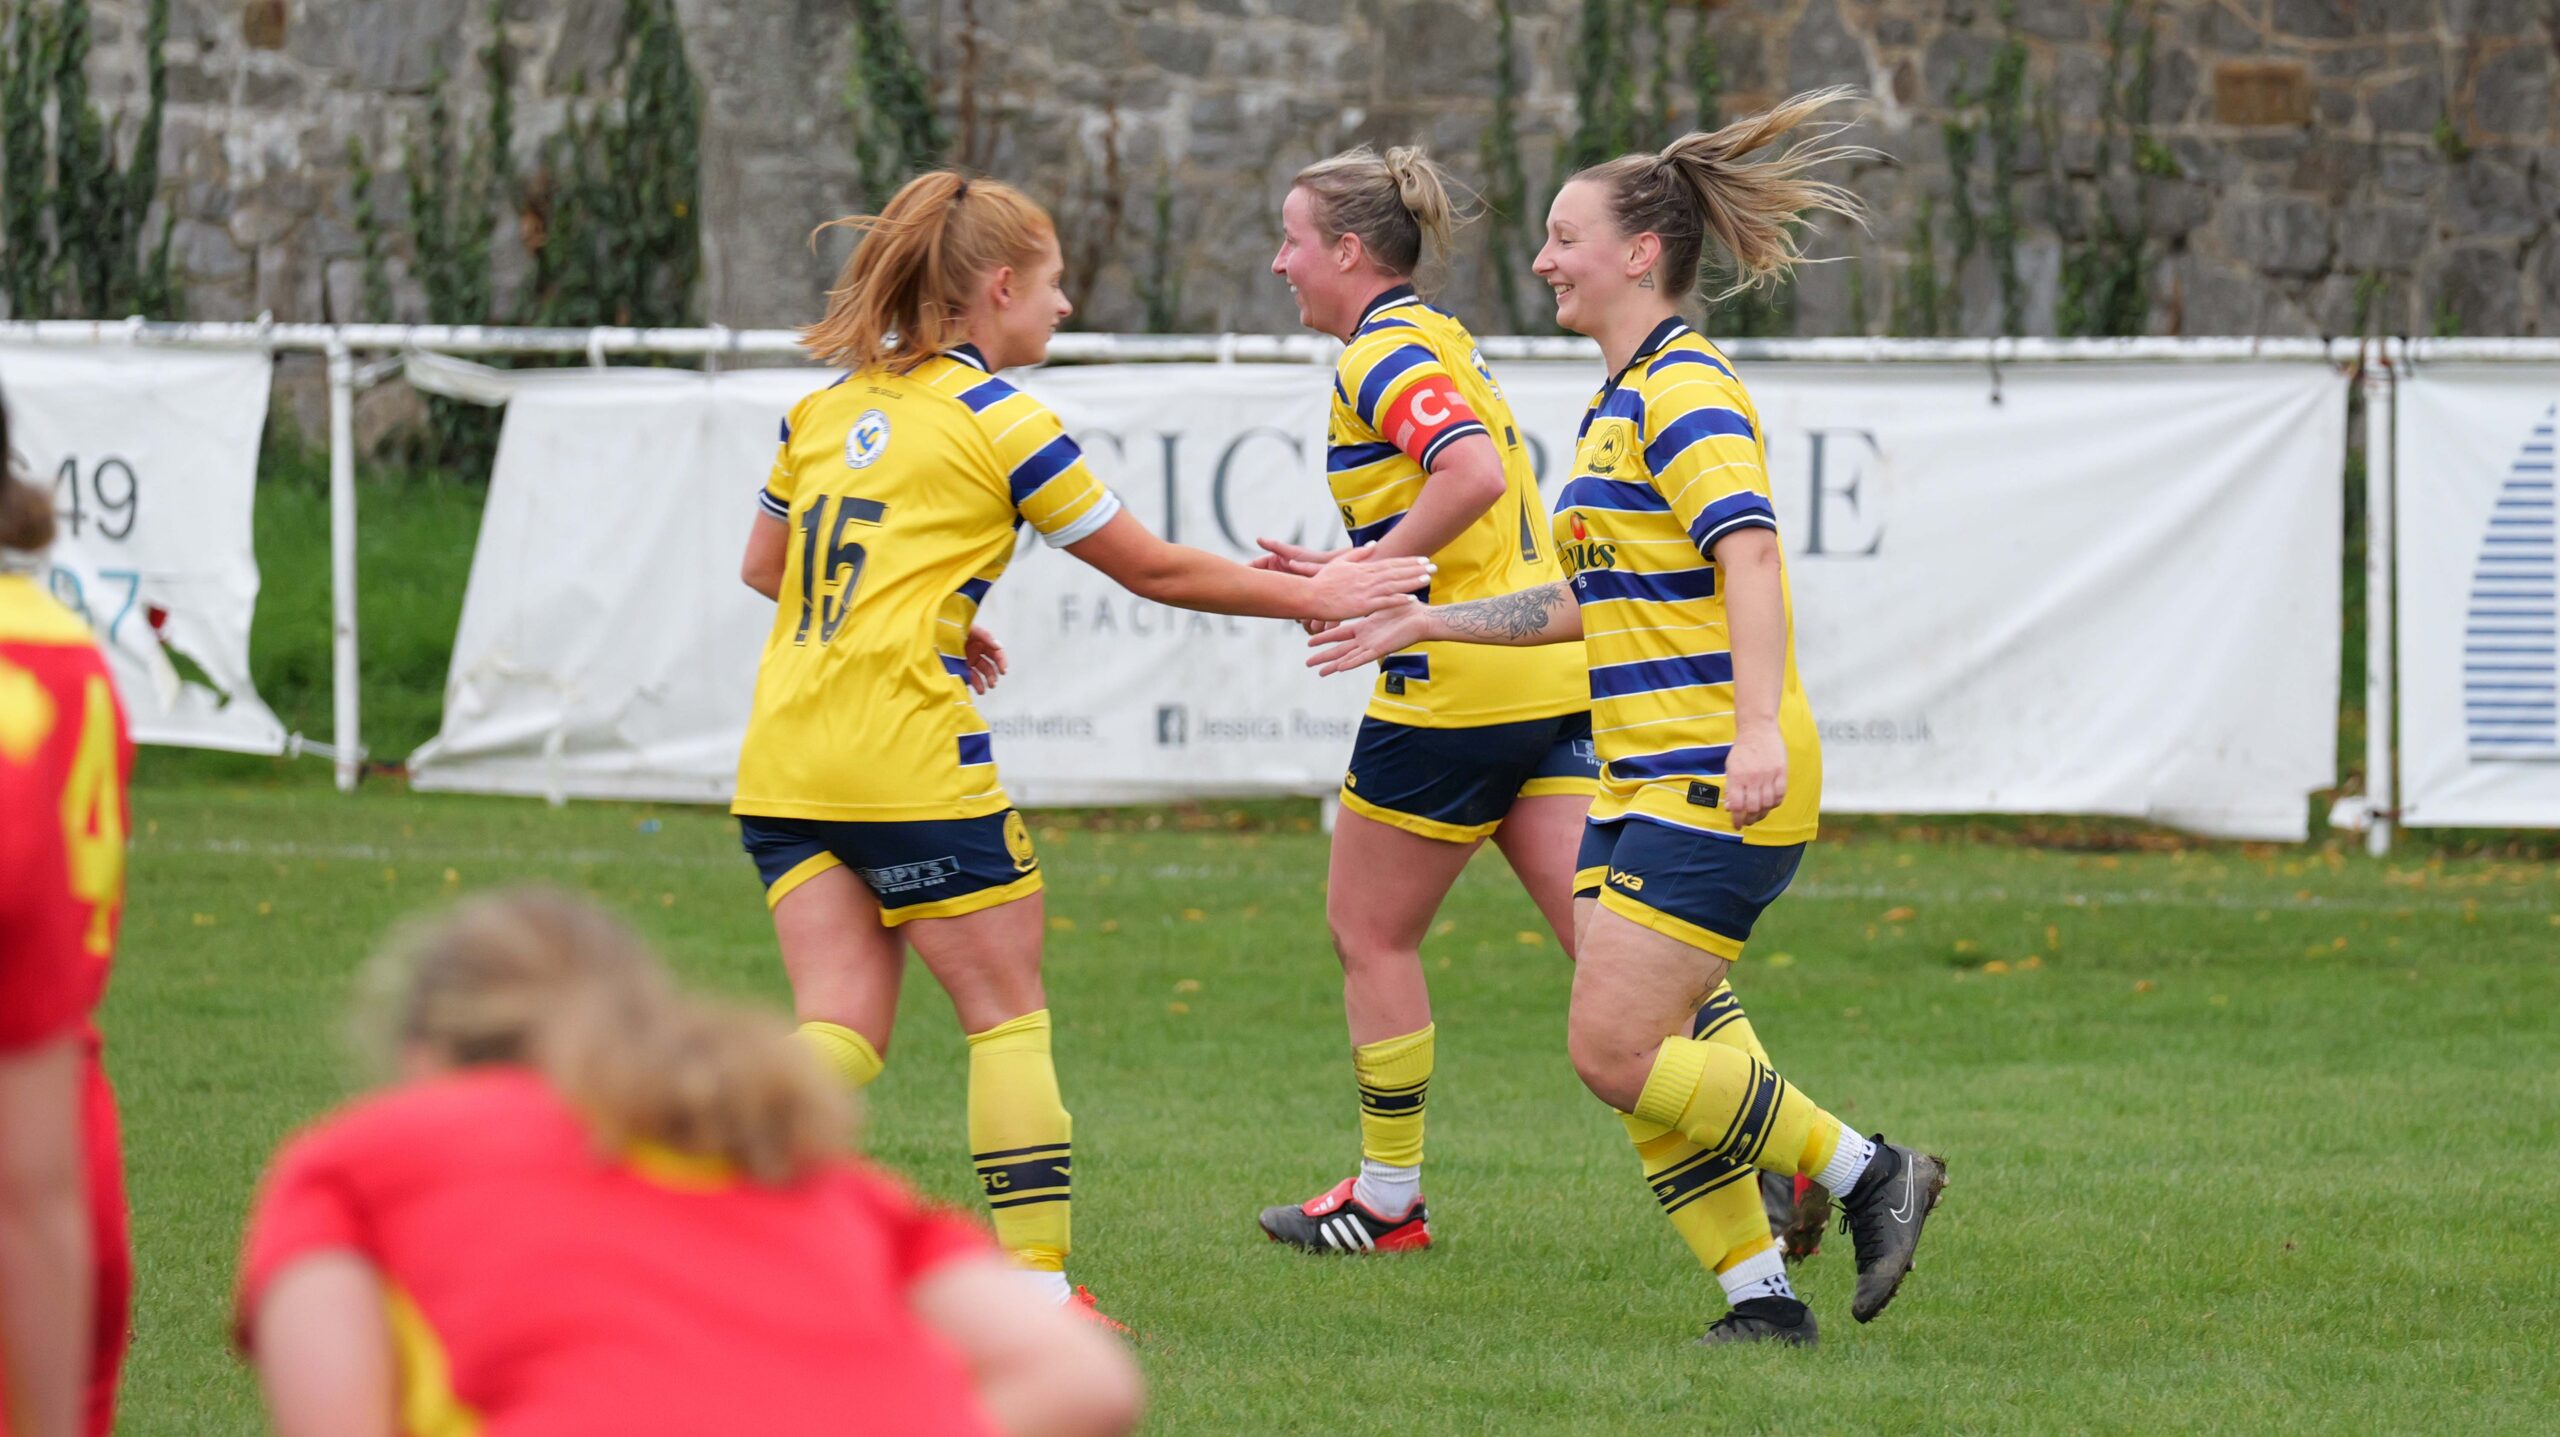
{"points": [[1706, 1197], [1737, 1107], [1720, 1019], [1394, 1074], [1019, 1138], [847, 1052], [1713, 1203]]}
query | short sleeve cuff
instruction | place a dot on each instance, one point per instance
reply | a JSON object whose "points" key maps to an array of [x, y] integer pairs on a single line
{"points": [[1431, 454], [1707, 541], [1100, 514]]}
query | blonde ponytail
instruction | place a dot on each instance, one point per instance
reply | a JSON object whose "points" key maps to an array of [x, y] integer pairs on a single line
{"points": [[903, 294], [1398, 205], [549, 981], [1704, 186]]}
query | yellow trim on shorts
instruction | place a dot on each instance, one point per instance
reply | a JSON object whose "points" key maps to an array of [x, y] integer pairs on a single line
{"points": [[1559, 784], [966, 903], [1635, 911], [1416, 824], [801, 872], [1588, 881]]}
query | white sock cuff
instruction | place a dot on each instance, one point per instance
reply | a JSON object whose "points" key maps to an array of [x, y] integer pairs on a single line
{"points": [[1848, 1162], [1760, 1275], [1387, 1189]]}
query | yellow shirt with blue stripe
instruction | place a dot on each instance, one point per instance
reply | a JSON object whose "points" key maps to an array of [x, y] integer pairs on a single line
{"points": [[1409, 384], [1670, 460], [903, 493]]}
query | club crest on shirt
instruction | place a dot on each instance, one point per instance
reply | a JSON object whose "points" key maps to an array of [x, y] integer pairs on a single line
{"points": [[1583, 550], [868, 439], [1607, 451]]}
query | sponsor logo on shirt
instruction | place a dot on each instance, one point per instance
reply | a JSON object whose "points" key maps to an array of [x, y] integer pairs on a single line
{"points": [[1585, 552]]}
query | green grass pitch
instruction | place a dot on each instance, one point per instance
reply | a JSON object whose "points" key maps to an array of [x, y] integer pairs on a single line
{"points": [[2241, 1140]]}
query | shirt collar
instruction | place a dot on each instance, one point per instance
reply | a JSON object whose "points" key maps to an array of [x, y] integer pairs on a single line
{"points": [[1663, 333], [1401, 294], [968, 354]]}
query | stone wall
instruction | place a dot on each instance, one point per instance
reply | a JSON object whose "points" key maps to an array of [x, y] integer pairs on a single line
{"points": [[2397, 160]]}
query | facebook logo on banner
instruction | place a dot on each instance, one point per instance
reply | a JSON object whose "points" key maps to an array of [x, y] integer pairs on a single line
{"points": [[2510, 672]]}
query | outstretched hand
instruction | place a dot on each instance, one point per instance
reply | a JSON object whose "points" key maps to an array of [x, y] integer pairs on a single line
{"points": [[1291, 558], [1398, 624], [1357, 581]]}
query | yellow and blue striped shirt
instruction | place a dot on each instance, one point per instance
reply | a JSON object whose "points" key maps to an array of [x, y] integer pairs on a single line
{"points": [[903, 493], [1410, 383], [1670, 460]]}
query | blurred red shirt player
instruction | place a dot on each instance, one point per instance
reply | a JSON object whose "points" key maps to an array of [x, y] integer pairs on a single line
{"points": [[599, 1206], [65, 757]]}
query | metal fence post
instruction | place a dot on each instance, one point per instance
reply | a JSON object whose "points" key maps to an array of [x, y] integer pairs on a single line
{"points": [[342, 562], [2380, 796]]}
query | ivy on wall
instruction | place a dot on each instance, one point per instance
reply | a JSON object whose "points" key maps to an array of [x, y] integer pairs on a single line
{"points": [[897, 133], [609, 222], [73, 219]]}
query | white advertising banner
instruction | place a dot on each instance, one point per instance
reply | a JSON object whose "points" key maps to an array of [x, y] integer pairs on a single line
{"points": [[607, 648], [2064, 588], [2479, 705], [2059, 588], [152, 457]]}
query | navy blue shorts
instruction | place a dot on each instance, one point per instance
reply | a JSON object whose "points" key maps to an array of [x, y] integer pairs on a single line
{"points": [[1704, 889], [1456, 784], [928, 868]]}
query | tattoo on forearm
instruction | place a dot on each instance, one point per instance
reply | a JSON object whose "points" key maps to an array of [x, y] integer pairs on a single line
{"points": [[1506, 616]]}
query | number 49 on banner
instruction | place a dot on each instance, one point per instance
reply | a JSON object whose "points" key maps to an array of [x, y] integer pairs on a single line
{"points": [[112, 500]]}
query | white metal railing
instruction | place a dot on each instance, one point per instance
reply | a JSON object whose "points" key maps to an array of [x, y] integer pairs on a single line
{"points": [[2379, 361], [718, 342]]}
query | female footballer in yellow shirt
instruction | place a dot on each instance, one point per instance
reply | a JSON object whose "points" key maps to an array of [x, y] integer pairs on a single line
{"points": [[1710, 764], [867, 789], [1460, 743]]}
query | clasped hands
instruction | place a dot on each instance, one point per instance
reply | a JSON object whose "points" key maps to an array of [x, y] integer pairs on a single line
{"points": [[1397, 621]]}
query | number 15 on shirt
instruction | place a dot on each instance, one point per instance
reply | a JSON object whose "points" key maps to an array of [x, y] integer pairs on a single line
{"points": [[840, 552]]}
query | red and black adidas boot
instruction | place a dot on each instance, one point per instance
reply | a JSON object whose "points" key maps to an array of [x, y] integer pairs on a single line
{"points": [[1799, 1209], [1339, 1222]]}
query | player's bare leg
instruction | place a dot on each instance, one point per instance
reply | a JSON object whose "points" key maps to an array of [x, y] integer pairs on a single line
{"points": [[1539, 838], [988, 961], [1382, 890], [845, 968]]}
